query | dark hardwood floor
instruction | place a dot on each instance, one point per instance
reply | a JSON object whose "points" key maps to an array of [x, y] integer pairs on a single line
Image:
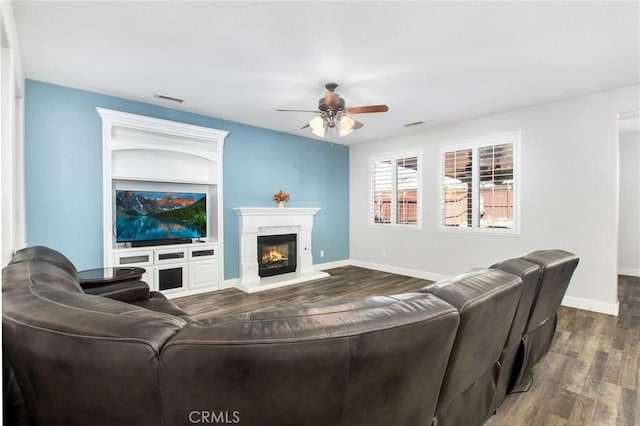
{"points": [[591, 375]]}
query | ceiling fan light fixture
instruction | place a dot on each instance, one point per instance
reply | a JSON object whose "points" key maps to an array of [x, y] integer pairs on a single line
{"points": [[333, 119], [317, 125]]}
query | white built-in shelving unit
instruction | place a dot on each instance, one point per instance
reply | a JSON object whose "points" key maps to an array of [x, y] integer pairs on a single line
{"points": [[149, 154]]}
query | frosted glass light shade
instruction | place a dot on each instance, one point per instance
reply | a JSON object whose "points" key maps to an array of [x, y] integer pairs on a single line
{"points": [[317, 126], [346, 125]]}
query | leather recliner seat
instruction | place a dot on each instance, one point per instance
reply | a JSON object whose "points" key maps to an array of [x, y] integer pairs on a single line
{"points": [[556, 270], [487, 302], [509, 361]]}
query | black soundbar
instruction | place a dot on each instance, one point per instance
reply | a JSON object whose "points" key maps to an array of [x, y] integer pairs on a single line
{"points": [[160, 242]]}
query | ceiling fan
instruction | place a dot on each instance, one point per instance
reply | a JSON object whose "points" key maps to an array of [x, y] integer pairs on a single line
{"points": [[334, 116]]}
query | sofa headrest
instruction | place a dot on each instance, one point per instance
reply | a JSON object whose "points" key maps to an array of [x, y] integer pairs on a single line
{"points": [[87, 316], [329, 319], [41, 291], [38, 275], [551, 257], [45, 254], [464, 290], [557, 267]]}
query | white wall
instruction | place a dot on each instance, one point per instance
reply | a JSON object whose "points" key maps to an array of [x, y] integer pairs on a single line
{"points": [[12, 231], [629, 235], [569, 179]]}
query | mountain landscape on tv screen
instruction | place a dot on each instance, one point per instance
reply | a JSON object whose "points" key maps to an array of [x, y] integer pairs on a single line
{"points": [[146, 215]]}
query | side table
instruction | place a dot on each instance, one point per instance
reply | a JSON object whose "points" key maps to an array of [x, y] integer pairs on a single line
{"points": [[104, 276]]}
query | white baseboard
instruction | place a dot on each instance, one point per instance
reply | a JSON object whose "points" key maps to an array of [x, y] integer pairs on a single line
{"points": [[415, 273], [633, 272], [228, 283], [331, 265], [591, 305]]}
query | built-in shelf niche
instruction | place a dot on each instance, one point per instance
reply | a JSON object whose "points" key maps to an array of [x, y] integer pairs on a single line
{"points": [[144, 153]]}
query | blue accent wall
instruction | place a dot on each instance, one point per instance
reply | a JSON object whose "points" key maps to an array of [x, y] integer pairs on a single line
{"points": [[63, 174]]}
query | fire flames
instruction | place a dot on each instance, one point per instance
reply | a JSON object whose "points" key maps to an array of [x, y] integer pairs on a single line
{"points": [[272, 255]]}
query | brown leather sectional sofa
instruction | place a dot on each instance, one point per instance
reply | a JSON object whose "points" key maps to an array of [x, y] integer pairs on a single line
{"points": [[126, 356]]}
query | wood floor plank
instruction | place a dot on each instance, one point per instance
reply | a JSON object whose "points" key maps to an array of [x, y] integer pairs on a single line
{"points": [[612, 370], [553, 420], [606, 409], [629, 365], [562, 404], [627, 414], [590, 377], [582, 412]]}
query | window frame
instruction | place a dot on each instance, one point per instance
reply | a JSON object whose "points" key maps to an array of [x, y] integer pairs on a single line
{"points": [[475, 144], [394, 157]]}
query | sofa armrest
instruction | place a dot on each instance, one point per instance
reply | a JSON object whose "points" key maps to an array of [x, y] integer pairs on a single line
{"points": [[158, 302], [127, 291]]}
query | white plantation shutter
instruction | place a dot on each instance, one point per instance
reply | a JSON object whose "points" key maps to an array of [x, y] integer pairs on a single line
{"points": [[457, 186], [478, 188], [407, 190], [394, 189], [496, 186], [382, 182]]}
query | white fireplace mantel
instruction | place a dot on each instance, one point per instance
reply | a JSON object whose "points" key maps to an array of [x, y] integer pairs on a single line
{"points": [[259, 221]]}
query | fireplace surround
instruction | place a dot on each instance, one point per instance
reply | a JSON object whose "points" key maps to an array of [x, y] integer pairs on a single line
{"points": [[266, 221]]}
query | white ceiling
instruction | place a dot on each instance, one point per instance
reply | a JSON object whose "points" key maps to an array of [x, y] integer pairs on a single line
{"points": [[437, 62]]}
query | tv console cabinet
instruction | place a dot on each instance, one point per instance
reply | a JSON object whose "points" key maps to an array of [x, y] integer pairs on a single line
{"points": [[176, 270], [150, 154]]}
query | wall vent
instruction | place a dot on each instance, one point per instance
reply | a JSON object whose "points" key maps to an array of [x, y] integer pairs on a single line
{"points": [[169, 98], [415, 123]]}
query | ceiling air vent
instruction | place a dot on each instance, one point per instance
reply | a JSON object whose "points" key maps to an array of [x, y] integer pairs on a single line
{"points": [[415, 123], [169, 98]]}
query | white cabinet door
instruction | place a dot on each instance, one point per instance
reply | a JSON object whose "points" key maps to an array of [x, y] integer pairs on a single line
{"points": [[204, 274]]}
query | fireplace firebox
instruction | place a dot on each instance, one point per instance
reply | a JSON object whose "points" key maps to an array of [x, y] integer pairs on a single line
{"points": [[276, 254]]}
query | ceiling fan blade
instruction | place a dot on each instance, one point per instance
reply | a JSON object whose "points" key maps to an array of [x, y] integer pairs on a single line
{"points": [[304, 127], [297, 110], [357, 125], [367, 109]]}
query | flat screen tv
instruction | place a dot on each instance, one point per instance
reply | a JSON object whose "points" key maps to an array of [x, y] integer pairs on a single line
{"points": [[153, 216]]}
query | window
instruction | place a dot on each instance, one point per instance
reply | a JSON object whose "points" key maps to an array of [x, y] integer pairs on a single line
{"points": [[395, 193], [479, 184]]}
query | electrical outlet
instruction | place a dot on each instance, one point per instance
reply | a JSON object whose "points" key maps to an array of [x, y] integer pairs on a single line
{"points": [[321, 253], [384, 254]]}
